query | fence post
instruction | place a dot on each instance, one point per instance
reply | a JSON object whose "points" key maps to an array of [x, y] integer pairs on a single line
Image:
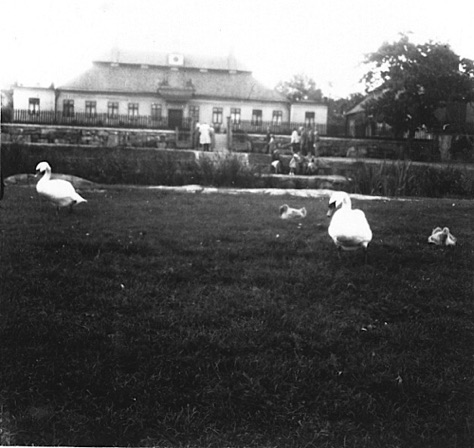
{"points": [[192, 132], [229, 134]]}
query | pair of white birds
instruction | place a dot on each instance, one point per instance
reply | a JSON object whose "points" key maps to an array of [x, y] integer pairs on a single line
{"points": [[59, 192]]}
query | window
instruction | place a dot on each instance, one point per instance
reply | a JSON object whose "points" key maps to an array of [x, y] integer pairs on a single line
{"points": [[132, 110], [217, 115], [68, 108], [33, 106], [235, 115], [257, 117], [194, 113], [112, 109], [91, 109], [277, 117], [309, 119], [156, 111]]}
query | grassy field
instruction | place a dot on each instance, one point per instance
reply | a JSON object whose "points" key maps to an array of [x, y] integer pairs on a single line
{"points": [[151, 318]]}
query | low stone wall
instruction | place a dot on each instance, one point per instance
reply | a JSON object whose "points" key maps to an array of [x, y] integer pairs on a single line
{"points": [[446, 148], [420, 150], [106, 137]]}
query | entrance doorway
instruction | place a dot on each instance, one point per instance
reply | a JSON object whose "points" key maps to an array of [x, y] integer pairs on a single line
{"points": [[175, 118]]}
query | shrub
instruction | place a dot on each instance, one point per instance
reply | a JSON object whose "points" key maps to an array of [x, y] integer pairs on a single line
{"points": [[223, 171], [440, 182], [387, 179], [401, 178]]}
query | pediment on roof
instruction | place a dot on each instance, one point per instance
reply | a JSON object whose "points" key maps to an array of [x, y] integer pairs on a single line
{"points": [[171, 93]]}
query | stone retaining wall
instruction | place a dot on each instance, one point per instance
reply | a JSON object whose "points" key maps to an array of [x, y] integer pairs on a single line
{"points": [[107, 137], [421, 150]]}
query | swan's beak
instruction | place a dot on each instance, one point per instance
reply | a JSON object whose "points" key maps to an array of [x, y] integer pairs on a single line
{"points": [[37, 173], [331, 210]]}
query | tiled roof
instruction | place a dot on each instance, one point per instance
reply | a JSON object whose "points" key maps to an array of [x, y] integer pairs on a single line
{"points": [[103, 77], [161, 60], [360, 107]]}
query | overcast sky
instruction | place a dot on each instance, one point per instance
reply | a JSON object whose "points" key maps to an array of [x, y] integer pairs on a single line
{"points": [[45, 41]]}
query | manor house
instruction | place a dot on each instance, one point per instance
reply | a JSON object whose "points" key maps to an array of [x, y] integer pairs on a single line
{"points": [[168, 90]]}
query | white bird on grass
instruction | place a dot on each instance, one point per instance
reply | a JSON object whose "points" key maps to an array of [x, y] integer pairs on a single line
{"points": [[59, 192], [442, 237], [349, 228], [287, 212]]}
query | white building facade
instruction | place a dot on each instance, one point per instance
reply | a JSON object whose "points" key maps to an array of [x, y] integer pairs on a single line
{"points": [[167, 90]]}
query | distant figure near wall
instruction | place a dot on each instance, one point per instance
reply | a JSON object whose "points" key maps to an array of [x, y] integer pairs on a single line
{"points": [[205, 138]]}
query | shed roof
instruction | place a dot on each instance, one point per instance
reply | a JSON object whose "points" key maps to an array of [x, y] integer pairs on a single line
{"points": [[360, 107]]}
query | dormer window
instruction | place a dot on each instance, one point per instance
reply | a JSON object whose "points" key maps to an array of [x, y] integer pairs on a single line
{"points": [[114, 64], [203, 70], [232, 72], [144, 66]]}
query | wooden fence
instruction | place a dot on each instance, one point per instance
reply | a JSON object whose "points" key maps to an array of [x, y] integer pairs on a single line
{"points": [[98, 120], [149, 122], [251, 127]]}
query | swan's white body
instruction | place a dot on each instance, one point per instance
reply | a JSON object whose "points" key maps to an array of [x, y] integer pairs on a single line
{"points": [[59, 192], [442, 237], [349, 228], [287, 212]]}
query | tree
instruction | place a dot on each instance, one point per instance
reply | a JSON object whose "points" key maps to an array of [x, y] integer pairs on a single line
{"points": [[411, 82], [300, 87], [336, 112]]}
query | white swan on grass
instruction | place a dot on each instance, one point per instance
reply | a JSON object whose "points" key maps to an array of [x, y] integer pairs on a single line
{"points": [[287, 212], [59, 192], [349, 228]]}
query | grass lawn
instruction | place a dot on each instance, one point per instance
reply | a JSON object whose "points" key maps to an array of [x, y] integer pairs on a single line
{"points": [[172, 319]]}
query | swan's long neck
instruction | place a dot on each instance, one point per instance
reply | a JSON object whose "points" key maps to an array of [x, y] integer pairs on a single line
{"points": [[46, 175], [346, 204]]}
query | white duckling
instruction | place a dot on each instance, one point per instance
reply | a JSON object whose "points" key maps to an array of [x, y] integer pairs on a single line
{"points": [[349, 228], [287, 212], [442, 237], [59, 192]]}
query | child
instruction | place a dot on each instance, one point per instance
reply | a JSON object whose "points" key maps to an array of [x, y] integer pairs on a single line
{"points": [[312, 167], [294, 162]]}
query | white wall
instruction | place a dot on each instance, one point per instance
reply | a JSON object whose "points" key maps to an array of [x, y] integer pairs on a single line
{"points": [[22, 95], [246, 109], [102, 100], [298, 111], [145, 102]]}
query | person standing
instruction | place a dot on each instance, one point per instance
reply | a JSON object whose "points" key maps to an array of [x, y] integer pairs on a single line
{"points": [[271, 144], [267, 141], [311, 141], [316, 143], [205, 136], [197, 138], [304, 141], [295, 140]]}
